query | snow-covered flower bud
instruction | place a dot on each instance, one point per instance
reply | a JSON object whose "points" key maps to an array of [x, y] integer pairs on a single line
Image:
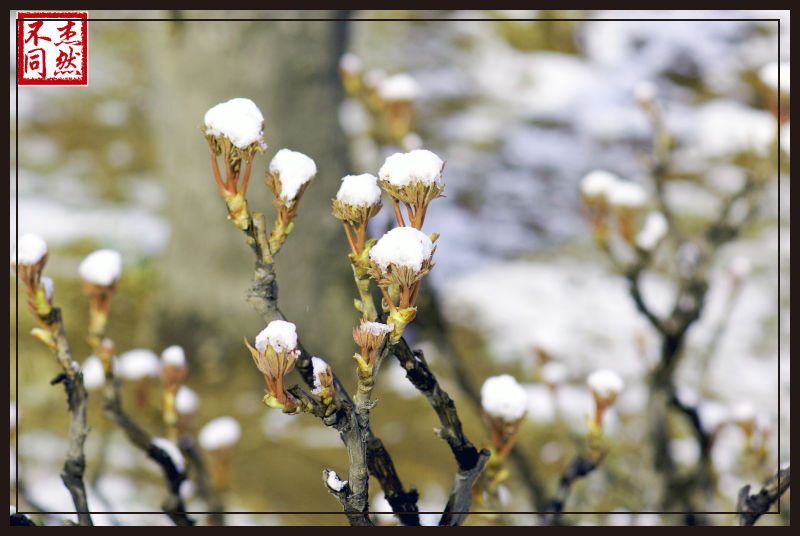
{"points": [[289, 175], [139, 367], [137, 364], [101, 268], [596, 187], [99, 272], [358, 198], [503, 398], [94, 377], [398, 87], [504, 403], [654, 229], [173, 367], [28, 260], [627, 199], [369, 336], [627, 195], [239, 121], [274, 355], [323, 378], [401, 256], [413, 178], [218, 439], [605, 386], [598, 184], [186, 403]]}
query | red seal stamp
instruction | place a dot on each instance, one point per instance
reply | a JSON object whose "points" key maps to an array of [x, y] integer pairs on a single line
{"points": [[52, 48]]}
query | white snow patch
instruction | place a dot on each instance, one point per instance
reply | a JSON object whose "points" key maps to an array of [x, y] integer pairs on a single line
{"points": [[218, 433]]}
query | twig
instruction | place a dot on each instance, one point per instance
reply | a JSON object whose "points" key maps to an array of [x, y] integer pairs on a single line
{"points": [[423, 379], [173, 504], [460, 499], [751, 507], [359, 440], [75, 464], [579, 468], [215, 505]]}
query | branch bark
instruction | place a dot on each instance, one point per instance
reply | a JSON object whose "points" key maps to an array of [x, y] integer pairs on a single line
{"points": [[173, 505], [751, 507], [579, 468]]}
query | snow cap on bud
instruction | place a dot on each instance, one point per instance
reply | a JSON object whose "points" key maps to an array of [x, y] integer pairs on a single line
{"points": [[173, 356], [186, 401], [239, 120], [294, 169], [598, 183], [219, 433], [654, 229], [626, 194], [31, 249], [280, 335], [322, 379], [359, 190], [102, 267], [418, 166], [399, 87], [605, 385], [137, 364], [94, 377], [503, 398], [402, 246]]}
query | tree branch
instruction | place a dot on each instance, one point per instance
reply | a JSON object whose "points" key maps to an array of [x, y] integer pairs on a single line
{"points": [[173, 504], [579, 468], [751, 507]]}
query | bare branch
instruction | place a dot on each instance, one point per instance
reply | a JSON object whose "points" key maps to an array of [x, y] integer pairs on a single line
{"points": [[751, 507], [173, 504]]}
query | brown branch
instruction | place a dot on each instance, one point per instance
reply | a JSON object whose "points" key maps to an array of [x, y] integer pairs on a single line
{"points": [[579, 468], [75, 462], [362, 447], [173, 505], [751, 507], [215, 505]]}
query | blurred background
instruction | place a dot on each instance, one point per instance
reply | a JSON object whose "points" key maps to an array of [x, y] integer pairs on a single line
{"points": [[521, 110]]}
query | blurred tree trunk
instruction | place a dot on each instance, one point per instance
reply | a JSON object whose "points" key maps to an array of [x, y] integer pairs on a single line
{"points": [[289, 69]]}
